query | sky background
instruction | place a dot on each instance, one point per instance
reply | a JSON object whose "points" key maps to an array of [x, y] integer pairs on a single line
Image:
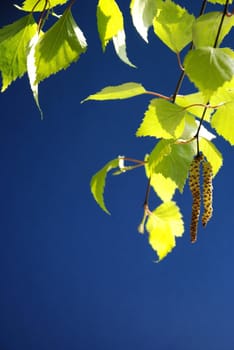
{"points": [[71, 276]]}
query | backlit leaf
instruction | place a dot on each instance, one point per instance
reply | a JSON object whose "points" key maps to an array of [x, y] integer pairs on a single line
{"points": [[122, 91], [173, 25], [163, 186], [143, 12], [163, 225], [35, 5], [205, 28], [175, 164], [14, 41], [209, 68], [31, 68], [162, 149], [111, 27], [120, 47], [61, 45], [162, 119], [221, 2], [194, 100], [98, 182], [212, 154], [109, 20], [223, 121]]}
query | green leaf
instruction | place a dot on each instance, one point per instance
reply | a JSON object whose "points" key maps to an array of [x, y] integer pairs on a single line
{"points": [[14, 41], [111, 27], [98, 182], [205, 29], [39, 6], [122, 91], [221, 2], [223, 120], [162, 119], [173, 25], [224, 94], [143, 13], [175, 165], [209, 68], [162, 149], [212, 154], [59, 47], [163, 225], [193, 100]]}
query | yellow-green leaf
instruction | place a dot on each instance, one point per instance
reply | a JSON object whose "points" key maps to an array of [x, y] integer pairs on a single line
{"points": [[205, 29], [61, 45], [163, 225], [192, 103], [162, 119], [39, 6], [98, 182], [162, 149], [163, 186], [212, 154], [223, 120], [221, 2], [109, 20], [122, 91], [111, 27], [175, 165], [173, 25], [14, 41], [209, 68]]}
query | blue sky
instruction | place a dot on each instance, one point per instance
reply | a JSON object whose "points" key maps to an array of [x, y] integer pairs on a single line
{"points": [[71, 276]]}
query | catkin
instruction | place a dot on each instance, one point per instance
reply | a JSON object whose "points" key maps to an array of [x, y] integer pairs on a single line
{"points": [[207, 192], [194, 184]]}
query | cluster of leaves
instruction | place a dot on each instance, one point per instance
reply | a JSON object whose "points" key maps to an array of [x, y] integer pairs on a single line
{"points": [[176, 122]]}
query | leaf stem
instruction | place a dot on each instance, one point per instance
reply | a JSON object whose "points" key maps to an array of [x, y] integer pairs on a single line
{"points": [[141, 162], [71, 3], [146, 201], [225, 11], [179, 61], [204, 105], [42, 17], [158, 95]]}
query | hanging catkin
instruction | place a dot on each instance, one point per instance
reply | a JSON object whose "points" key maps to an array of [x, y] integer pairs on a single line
{"points": [[207, 192], [194, 184]]}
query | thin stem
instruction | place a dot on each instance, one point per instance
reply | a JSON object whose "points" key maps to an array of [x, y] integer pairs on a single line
{"points": [[204, 105], [179, 61], [146, 201], [142, 162], [178, 85], [71, 3], [158, 95], [225, 11], [42, 16]]}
